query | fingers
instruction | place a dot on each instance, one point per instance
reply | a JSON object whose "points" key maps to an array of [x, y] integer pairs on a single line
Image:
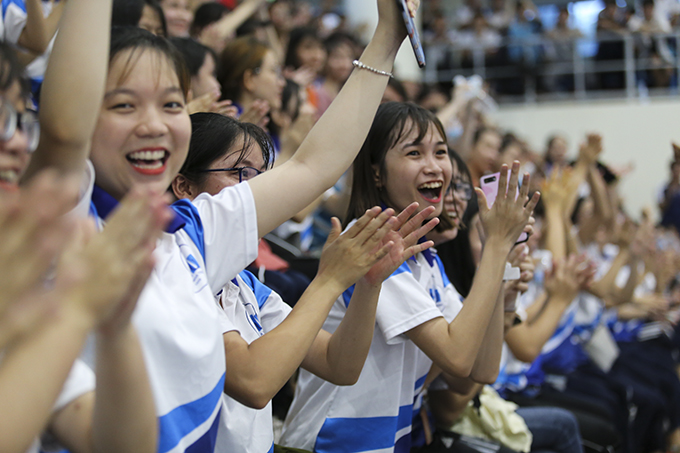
{"points": [[406, 214], [362, 221], [377, 229], [417, 248], [531, 205], [483, 204], [502, 183], [514, 182], [413, 238]]}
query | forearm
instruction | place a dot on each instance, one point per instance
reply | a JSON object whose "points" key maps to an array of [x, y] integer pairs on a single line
{"points": [[256, 372], [485, 369], [124, 412], [625, 294], [70, 100], [603, 209], [343, 357], [527, 339], [467, 332], [32, 373], [228, 24], [555, 235], [605, 287], [331, 146]]}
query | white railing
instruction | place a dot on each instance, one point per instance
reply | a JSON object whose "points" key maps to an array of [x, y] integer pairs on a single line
{"points": [[529, 79]]}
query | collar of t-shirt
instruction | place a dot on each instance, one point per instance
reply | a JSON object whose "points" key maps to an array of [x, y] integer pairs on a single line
{"points": [[103, 203]]}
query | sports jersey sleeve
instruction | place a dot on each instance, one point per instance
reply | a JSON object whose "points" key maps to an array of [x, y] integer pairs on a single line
{"points": [[403, 304], [14, 19], [226, 233], [273, 310]]}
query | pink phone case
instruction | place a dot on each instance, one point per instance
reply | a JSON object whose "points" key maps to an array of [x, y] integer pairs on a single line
{"points": [[489, 185]]}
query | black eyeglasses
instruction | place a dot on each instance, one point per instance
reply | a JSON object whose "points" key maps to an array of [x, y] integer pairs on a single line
{"points": [[244, 173], [462, 190], [26, 121]]}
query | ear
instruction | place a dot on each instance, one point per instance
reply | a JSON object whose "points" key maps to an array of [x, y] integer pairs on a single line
{"points": [[182, 188], [249, 80], [376, 176]]}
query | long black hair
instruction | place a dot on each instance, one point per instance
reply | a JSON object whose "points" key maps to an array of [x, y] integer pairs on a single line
{"points": [[456, 255], [393, 122]]}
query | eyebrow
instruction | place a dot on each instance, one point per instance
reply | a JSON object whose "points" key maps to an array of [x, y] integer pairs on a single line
{"points": [[130, 92], [439, 143]]}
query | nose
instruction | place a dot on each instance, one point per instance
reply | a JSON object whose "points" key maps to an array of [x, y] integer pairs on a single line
{"points": [[433, 165], [151, 123]]}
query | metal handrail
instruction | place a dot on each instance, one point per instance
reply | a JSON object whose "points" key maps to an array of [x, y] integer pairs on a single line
{"points": [[583, 69]]}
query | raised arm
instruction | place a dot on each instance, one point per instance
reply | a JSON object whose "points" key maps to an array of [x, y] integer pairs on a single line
{"points": [[226, 27], [73, 88], [454, 347], [335, 140]]}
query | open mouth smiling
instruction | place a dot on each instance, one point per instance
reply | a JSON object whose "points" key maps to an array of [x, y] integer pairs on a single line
{"points": [[149, 161], [9, 178], [431, 191]]}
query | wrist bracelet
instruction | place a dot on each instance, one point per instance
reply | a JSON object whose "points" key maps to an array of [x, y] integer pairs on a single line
{"points": [[360, 65]]}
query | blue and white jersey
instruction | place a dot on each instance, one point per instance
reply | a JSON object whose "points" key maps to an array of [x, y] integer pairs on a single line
{"points": [[255, 310], [178, 321], [518, 376], [375, 414], [13, 23]]}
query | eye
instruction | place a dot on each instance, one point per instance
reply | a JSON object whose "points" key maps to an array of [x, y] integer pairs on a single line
{"points": [[441, 152], [122, 106], [174, 105], [413, 152]]}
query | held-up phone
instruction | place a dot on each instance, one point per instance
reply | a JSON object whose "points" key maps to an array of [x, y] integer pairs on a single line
{"points": [[489, 185], [413, 35]]}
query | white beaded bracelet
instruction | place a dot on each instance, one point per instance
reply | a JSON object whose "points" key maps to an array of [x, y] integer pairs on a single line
{"points": [[360, 65]]}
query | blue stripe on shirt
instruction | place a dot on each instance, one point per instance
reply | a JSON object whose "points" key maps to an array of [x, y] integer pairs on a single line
{"points": [[354, 435], [192, 223], [182, 420], [261, 291], [347, 295]]}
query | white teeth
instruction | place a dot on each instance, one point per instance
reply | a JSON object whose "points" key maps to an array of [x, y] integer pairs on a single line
{"points": [[147, 155], [430, 185], [9, 176], [150, 166]]}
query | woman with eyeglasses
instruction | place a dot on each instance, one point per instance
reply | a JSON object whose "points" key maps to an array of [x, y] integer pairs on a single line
{"points": [[141, 140], [421, 324], [223, 153]]}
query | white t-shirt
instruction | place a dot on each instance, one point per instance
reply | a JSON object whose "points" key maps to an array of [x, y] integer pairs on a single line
{"points": [[375, 414], [255, 310], [180, 325]]}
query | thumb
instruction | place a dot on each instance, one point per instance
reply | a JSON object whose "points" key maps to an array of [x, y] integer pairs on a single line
{"points": [[481, 201], [336, 229]]}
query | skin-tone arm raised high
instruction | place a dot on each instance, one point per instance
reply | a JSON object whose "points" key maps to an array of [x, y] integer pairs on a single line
{"points": [[70, 100], [227, 25], [454, 347], [335, 140]]}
